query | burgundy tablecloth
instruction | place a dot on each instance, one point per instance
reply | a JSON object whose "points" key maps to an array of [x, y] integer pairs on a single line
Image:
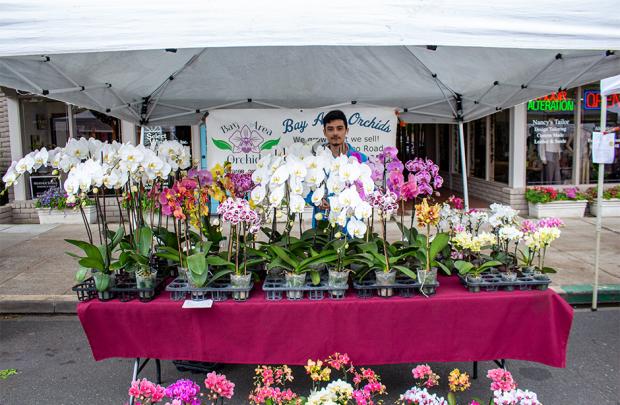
{"points": [[453, 325]]}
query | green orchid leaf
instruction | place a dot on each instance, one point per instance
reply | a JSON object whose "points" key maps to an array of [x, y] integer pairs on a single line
{"points": [[463, 267], [102, 281], [315, 277], [80, 275], [549, 270], [284, 256], [197, 264], [442, 266], [408, 272], [92, 263], [439, 242], [91, 250], [219, 275], [198, 279]]}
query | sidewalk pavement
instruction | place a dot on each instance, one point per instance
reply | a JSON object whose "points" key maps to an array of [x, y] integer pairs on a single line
{"points": [[36, 275]]}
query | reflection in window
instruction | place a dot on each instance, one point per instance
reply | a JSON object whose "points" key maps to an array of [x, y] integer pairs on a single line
{"points": [[500, 128], [477, 139], [551, 130], [93, 124], [590, 122]]}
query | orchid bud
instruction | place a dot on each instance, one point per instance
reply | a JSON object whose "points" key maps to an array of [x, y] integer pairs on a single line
{"points": [[291, 223], [318, 216], [55, 172], [338, 235], [95, 190], [346, 245], [134, 189]]}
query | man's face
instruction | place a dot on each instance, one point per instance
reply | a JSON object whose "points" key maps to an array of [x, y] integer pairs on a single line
{"points": [[335, 132]]}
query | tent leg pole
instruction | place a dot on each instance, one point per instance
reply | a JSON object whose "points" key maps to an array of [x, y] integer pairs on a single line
{"points": [[599, 201], [463, 165]]}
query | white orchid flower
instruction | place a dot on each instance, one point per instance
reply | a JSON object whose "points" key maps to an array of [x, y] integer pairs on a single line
{"points": [[349, 197], [363, 210], [71, 185], [356, 228], [334, 184], [280, 175], [94, 171], [94, 148], [298, 169], [25, 164], [296, 185], [77, 148], [365, 172], [275, 163], [334, 205], [263, 162], [68, 162], [260, 176], [131, 157], [314, 177], [338, 162], [164, 171], [258, 194], [342, 218], [275, 196], [11, 175], [297, 203], [110, 179], [349, 172], [40, 158], [368, 185], [317, 196]]}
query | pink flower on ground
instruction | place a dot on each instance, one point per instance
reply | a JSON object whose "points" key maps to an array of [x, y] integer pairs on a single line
{"points": [[219, 386], [501, 380], [146, 392], [550, 223], [528, 226]]}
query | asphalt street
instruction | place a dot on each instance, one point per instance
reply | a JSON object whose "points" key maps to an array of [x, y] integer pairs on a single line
{"points": [[55, 366]]}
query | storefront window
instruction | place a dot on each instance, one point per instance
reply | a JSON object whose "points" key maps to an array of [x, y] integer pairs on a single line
{"points": [[478, 148], [500, 153], [551, 131], [44, 124], [444, 149], [93, 124], [148, 135], [590, 122]]}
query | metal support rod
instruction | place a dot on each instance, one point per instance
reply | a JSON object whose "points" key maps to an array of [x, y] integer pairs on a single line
{"points": [[78, 88], [21, 76], [463, 165], [475, 371], [70, 80], [599, 201], [590, 66]]}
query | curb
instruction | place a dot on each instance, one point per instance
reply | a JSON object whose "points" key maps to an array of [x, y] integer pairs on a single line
{"points": [[581, 294], [38, 304]]}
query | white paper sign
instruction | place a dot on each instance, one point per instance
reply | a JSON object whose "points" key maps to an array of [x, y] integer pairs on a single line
{"points": [[241, 136], [189, 304], [603, 147]]}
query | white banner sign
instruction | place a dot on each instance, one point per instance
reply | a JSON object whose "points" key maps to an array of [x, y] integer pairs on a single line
{"points": [[242, 136]]}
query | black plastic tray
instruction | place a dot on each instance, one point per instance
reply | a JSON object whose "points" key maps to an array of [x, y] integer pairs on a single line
{"points": [[221, 290], [492, 281], [125, 290], [403, 287], [274, 287]]}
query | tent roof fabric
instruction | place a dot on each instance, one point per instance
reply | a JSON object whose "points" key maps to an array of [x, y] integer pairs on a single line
{"points": [[165, 65]]}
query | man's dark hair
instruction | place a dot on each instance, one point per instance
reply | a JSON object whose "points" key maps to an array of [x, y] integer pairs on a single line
{"points": [[333, 116]]}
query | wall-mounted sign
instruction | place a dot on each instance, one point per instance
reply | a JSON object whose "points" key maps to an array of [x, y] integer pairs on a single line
{"points": [[592, 100], [40, 184], [556, 101]]}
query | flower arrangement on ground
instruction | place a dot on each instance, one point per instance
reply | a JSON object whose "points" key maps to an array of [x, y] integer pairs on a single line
{"points": [[183, 391], [542, 194]]}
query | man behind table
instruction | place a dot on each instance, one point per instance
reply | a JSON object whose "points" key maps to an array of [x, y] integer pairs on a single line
{"points": [[336, 129]]}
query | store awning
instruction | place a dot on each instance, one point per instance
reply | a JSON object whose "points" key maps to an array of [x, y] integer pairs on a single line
{"points": [[169, 63]]}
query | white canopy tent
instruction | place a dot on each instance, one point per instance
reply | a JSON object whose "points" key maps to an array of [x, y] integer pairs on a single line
{"points": [[170, 63]]}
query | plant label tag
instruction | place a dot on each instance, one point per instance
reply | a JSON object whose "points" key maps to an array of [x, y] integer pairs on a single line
{"points": [[189, 304]]}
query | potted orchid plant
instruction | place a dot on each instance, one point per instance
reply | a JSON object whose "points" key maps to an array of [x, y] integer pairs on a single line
{"points": [[537, 237], [428, 216], [474, 263]]}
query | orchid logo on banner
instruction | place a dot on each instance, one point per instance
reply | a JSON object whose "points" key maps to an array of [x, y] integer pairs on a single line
{"points": [[242, 136]]}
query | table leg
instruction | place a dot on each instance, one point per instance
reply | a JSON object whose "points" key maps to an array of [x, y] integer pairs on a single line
{"points": [[158, 369], [475, 373]]}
